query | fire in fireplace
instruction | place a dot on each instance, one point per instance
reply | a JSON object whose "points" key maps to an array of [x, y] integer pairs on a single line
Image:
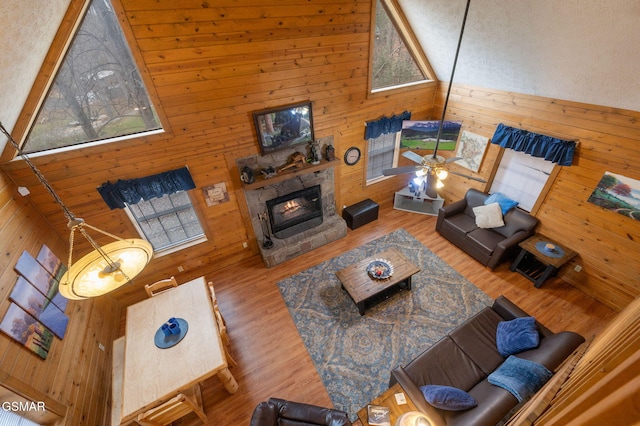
{"points": [[295, 212]]}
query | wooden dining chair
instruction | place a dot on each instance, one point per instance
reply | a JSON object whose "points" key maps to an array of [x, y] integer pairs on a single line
{"points": [[174, 409], [160, 286], [222, 326], [117, 372]]}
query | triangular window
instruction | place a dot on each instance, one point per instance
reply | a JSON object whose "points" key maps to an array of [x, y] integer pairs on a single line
{"points": [[97, 93], [397, 59]]}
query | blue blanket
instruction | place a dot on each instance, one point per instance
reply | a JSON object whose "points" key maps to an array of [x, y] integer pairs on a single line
{"points": [[519, 376]]}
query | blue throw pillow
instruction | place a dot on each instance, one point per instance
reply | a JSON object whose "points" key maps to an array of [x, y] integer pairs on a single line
{"points": [[447, 397], [505, 202], [517, 335]]}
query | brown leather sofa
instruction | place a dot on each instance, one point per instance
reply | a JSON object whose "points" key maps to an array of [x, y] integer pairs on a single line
{"points": [[464, 359], [278, 412], [457, 223]]}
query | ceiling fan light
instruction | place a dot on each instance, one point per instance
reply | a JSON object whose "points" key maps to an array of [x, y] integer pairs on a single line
{"points": [[439, 184], [442, 174], [420, 173]]}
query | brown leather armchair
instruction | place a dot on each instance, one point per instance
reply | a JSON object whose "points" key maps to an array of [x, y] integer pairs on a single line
{"points": [[457, 223], [277, 412]]}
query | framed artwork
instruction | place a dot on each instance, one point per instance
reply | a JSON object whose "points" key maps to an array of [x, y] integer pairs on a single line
{"points": [[471, 149], [619, 194], [25, 329], [216, 194], [39, 307], [423, 134], [284, 127]]}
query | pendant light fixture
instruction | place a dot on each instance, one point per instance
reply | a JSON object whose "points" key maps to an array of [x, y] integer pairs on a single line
{"points": [[105, 268]]}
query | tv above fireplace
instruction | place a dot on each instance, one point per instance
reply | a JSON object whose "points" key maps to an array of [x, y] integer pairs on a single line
{"points": [[284, 127]]}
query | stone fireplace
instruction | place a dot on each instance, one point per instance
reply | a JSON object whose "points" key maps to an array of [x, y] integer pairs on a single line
{"points": [[296, 212], [296, 209]]}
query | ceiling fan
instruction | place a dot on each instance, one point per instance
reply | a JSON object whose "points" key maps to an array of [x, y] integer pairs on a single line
{"points": [[433, 167]]}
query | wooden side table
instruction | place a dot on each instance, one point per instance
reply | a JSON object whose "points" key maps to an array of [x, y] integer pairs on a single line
{"points": [[388, 399], [537, 263]]}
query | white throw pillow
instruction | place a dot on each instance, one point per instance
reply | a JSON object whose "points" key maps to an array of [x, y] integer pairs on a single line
{"points": [[489, 216]]}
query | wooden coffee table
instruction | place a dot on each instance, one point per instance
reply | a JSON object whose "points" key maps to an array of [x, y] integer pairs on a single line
{"points": [[363, 288]]}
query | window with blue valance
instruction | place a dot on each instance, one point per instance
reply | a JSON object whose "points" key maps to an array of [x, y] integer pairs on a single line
{"points": [[385, 125], [131, 191], [551, 149]]}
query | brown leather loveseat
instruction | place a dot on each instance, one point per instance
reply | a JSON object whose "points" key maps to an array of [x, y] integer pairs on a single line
{"points": [[466, 357], [490, 246]]}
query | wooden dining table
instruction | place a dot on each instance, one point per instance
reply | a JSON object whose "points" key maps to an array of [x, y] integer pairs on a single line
{"points": [[153, 375]]}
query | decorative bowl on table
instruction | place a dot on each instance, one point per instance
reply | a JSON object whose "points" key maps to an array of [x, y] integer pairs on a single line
{"points": [[380, 269], [165, 340]]}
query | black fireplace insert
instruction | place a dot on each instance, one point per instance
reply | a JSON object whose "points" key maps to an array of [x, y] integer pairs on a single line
{"points": [[295, 212]]}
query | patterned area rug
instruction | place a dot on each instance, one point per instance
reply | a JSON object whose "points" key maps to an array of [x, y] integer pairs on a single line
{"points": [[354, 354]]}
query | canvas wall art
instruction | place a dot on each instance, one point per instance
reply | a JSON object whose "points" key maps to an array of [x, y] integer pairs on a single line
{"points": [[40, 278], [471, 149], [619, 194], [22, 327], [42, 309], [57, 269], [423, 134]]}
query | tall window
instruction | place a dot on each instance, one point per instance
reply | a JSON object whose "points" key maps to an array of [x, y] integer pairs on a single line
{"points": [[394, 56], [522, 177], [97, 93], [382, 153], [169, 223]]}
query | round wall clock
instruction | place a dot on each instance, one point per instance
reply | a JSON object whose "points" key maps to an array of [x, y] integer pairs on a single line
{"points": [[352, 156]]}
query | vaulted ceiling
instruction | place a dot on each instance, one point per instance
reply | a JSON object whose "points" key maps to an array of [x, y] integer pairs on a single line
{"points": [[574, 50]]}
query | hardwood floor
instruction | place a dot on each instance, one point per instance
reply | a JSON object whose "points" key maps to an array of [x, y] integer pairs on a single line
{"points": [[272, 359]]}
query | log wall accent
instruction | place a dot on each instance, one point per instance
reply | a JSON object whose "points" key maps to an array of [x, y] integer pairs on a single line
{"points": [[607, 243], [209, 67], [73, 381]]}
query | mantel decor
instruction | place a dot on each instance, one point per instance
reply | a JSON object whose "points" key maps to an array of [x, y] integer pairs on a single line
{"points": [[284, 127]]}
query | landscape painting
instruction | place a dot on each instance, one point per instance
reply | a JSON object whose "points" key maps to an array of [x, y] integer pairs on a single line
{"points": [[619, 194], [423, 134], [41, 279], [25, 329], [42, 309], [55, 267], [48, 260]]}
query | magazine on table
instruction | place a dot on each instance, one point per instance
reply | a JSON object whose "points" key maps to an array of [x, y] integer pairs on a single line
{"points": [[378, 415]]}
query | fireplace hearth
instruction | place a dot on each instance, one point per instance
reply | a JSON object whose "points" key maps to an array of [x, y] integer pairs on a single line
{"points": [[295, 212], [299, 211]]}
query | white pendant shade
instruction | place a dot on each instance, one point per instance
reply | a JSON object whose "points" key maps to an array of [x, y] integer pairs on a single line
{"points": [[93, 276]]}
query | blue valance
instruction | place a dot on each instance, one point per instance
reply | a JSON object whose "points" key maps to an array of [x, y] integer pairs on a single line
{"points": [[551, 149], [132, 191], [385, 125]]}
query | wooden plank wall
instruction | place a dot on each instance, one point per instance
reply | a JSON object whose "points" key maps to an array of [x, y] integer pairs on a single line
{"points": [[73, 380], [210, 65], [608, 243]]}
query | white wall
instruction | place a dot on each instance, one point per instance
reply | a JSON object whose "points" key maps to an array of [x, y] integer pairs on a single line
{"points": [[28, 28], [579, 50]]}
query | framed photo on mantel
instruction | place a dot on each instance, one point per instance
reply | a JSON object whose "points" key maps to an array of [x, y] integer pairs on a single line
{"points": [[284, 127]]}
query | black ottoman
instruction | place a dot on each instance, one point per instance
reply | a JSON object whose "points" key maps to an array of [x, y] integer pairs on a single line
{"points": [[360, 213]]}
